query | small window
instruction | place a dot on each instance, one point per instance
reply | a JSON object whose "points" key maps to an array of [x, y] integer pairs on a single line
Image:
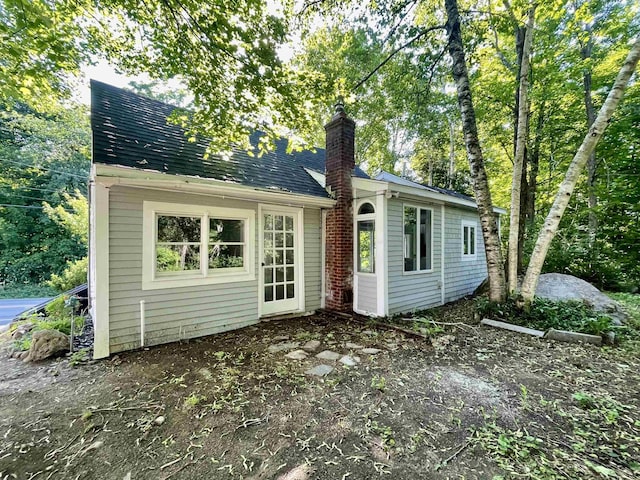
{"points": [[366, 209], [417, 239], [366, 246], [468, 240]]}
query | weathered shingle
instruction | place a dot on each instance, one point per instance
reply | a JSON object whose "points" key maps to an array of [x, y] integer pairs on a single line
{"points": [[132, 131]]}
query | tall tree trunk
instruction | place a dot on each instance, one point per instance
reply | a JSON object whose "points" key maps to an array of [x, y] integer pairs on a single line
{"points": [[518, 161], [534, 163], [452, 154], [591, 162], [575, 168], [495, 267]]}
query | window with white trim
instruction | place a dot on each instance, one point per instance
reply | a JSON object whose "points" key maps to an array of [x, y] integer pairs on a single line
{"points": [[418, 239], [469, 240], [366, 232], [190, 245]]}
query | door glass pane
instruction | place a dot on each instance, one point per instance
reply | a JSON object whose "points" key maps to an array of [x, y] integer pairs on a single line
{"points": [[268, 258], [268, 240], [290, 257], [278, 258], [366, 246], [268, 275], [290, 290], [268, 293], [268, 222], [279, 239], [290, 274], [289, 239], [279, 292], [278, 222], [280, 274], [289, 224]]}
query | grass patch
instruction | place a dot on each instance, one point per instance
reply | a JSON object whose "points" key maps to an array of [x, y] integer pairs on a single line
{"points": [[546, 314]]}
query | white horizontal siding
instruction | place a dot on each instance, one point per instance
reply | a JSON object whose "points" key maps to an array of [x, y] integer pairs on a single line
{"points": [[367, 298], [186, 312]]}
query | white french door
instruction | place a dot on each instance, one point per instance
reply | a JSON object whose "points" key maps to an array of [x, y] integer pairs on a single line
{"points": [[281, 260]]}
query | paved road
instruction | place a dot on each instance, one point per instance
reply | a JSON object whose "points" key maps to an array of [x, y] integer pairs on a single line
{"points": [[10, 308]]}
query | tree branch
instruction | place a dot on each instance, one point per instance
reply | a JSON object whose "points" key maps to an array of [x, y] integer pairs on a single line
{"points": [[392, 54]]}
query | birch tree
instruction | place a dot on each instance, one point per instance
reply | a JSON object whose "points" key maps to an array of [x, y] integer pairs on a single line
{"points": [[578, 163], [518, 161], [497, 284]]}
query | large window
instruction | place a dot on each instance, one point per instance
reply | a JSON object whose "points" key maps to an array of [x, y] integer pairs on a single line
{"points": [[468, 240], [189, 245], [366, 233], [417, 239]]}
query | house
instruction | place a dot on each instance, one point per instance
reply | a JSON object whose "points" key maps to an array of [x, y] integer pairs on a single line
{"points": [[182, 245]]}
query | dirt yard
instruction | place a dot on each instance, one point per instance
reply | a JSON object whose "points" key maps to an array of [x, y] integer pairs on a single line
{"points": [[469, 402]]}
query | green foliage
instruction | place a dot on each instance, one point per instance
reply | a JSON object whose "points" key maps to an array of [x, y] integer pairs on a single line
{"points": [[16, 290], [75, 274], [379, 383], [78, 358], [56, 309], [23, 344], [545, 314]]}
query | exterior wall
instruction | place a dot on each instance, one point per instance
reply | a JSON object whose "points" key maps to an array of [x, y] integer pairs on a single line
{"points": [[367, 296], [414, 290], [186, 312], [462, 277]]}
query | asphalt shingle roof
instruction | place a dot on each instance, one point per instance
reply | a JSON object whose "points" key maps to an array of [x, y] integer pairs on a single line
{"points": [[132, 131]]}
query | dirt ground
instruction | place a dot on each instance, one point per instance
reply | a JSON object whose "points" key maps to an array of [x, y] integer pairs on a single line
{"points": [[469, 402]]}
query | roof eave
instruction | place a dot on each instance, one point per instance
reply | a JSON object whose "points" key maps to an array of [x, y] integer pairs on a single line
{"points": [[135, 177]]}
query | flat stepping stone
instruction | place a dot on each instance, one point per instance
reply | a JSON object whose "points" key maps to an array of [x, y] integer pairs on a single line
{"points": [[320, 370], [350, 361], [511, 327], [328, 355], [311, 345], [371, 351], [280, 338], [353, 346], [281, 347], [297, 355]]}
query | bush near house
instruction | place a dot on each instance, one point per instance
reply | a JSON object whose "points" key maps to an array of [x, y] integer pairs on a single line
{"points": [[546, 314]]}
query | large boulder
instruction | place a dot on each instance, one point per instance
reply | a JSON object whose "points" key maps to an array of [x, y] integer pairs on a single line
{"points": [[561, 287], [47, 343]]}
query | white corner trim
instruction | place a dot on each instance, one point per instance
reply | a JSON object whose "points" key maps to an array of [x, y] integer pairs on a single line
{"points": [[323, 259], [152, 281], [382, 260], [99, 271], [472, 224], [442, 254]]}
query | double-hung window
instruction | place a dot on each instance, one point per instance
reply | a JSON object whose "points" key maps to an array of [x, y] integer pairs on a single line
{"points": [[468, 240], [187, 245], [366, 232], [418, 239]]}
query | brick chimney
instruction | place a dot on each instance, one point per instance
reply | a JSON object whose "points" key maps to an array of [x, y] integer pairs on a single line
{"points": [[339, 165]]}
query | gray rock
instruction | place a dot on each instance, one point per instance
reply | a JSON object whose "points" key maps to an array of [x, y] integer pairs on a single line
{"points": [[353, 346], [560, 287], [280, 338], [311, 345], [349, 361], [22, 330], [371, 351], [328, 355], [297, 355], [47, 343], [281, 347], [320, 370], [159, 420]]}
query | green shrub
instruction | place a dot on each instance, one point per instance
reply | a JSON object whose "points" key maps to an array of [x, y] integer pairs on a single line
{"points": [[57, 309], [73, 275], [545, 314]]}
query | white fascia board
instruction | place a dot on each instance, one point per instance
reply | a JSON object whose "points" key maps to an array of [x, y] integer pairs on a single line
{"points": [[368, 184], [134, 177]]}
